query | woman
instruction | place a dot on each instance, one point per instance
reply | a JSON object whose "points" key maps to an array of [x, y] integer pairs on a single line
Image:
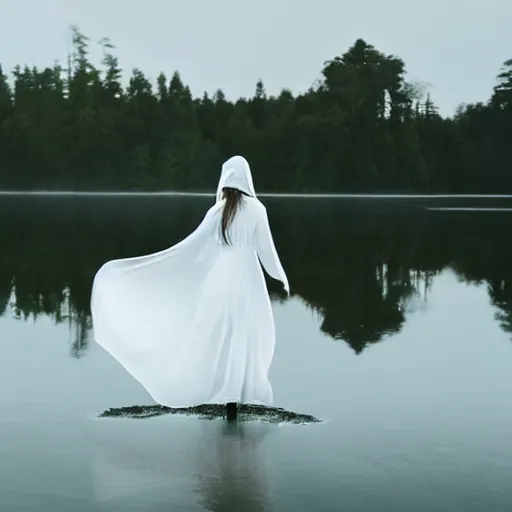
{"points": [[193, 323]]}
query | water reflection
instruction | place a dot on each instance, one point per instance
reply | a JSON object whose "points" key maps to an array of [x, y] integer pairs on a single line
{"points": [[216, 464], [231, 475], [365, 266]]}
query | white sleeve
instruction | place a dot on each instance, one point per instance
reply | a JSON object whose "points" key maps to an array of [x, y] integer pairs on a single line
{"points": [[267, 252]]}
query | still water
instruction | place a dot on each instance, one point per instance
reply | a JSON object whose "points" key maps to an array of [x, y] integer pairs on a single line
{"points": [[398, 335]]}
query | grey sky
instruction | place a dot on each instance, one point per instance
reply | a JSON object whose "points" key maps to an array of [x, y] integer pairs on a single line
{"points": [[457, 47]]}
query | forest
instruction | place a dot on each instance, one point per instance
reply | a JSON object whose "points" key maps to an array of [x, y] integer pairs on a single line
{"points": [[360, 128]]}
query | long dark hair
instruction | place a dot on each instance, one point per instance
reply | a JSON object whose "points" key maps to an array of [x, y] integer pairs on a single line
{"points": [[233, 199]]}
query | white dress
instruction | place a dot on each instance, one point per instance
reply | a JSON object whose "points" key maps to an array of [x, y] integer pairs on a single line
{"points": [[193, 323]]}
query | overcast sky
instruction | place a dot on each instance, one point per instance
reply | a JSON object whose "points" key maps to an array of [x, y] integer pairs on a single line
{"points": [[456, 47]]}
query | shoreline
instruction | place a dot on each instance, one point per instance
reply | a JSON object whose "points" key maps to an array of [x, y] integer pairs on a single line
{"points": [[71, 193]]}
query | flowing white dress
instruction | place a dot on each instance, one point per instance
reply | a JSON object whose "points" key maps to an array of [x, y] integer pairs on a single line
{"points": [[193, 323]]}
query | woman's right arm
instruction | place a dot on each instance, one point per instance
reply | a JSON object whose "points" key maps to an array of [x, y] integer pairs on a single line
{"points": [[267, 252]]}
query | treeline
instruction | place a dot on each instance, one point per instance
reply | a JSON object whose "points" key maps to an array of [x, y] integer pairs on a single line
{"points": [[361, 128], [379, 268]]}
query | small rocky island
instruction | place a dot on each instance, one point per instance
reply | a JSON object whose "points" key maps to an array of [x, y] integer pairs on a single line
{"points": [[244, 413]]}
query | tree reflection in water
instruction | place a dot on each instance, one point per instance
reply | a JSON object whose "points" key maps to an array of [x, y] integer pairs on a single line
{"points": [[363, 264]]}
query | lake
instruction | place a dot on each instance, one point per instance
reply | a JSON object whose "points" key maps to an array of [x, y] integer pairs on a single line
{"points": [[398, 336]]}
